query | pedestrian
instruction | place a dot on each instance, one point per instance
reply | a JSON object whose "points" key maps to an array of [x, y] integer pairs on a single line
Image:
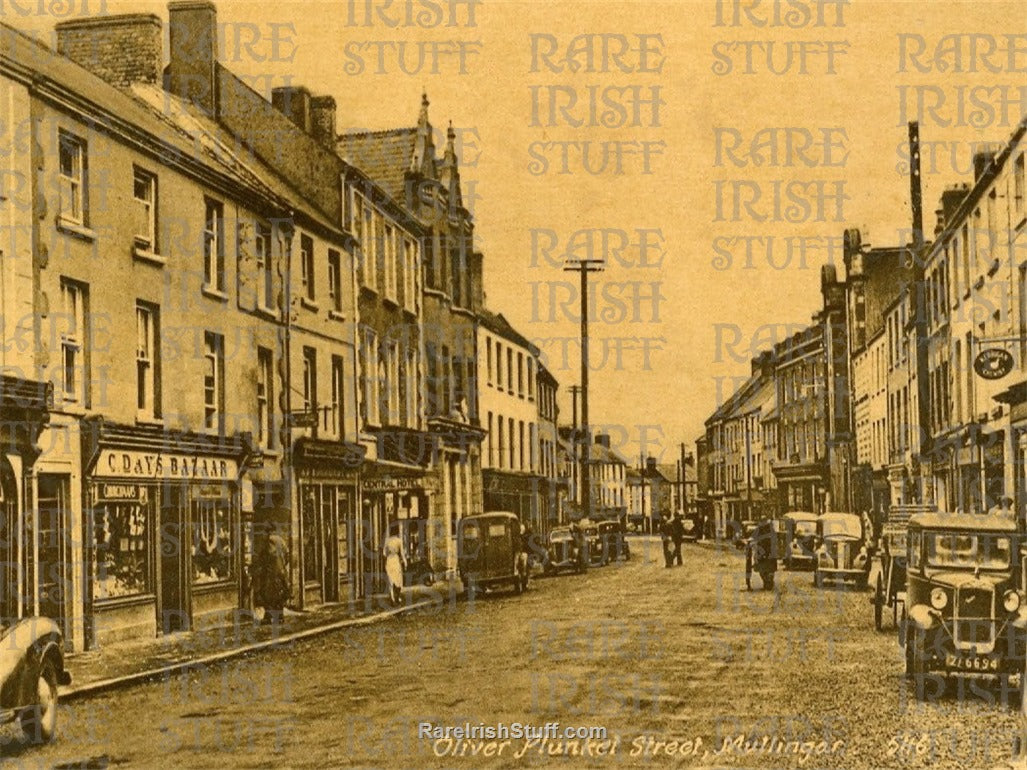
{"points": [[667, 536], [271, 577], [395, 563], [677, 533]]}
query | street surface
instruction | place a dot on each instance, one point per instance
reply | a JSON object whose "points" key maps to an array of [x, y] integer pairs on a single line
{"points": [[683, 654]]}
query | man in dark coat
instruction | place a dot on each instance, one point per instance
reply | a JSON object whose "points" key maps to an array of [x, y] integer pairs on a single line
{"points": [[271, 577], [677, 534]]}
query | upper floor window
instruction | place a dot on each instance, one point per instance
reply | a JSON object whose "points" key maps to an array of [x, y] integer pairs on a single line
{"points": [[147, 360], [309, 380], [531, 378], [520, 374], [72, 178], [214, 245], [265, 397], [339, 395], [265, 268], [74, 335], [409, 275], [488, 360], [213, 380], [334, 281], [390, 263], [307, 266], [144, 193]]}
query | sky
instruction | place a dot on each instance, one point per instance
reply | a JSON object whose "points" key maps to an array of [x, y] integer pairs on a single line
{"points": [[673, 96]]}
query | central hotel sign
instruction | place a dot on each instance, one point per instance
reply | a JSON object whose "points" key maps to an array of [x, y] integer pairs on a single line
{"points": [[133, 464]]}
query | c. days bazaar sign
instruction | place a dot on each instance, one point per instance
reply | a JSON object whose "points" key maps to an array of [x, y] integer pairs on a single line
{"points": [[133, 464]]}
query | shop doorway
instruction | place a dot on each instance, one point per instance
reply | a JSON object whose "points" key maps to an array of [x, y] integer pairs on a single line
{"points": [[8, 543], [172, 610], [51, 528]]}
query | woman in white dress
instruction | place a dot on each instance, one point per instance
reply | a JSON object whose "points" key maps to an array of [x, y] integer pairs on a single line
{"points": [[395, 564]]}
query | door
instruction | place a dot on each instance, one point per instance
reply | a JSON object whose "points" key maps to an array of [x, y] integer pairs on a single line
{"points": [[345, 535], [51, 529], [329, 564], [8, 543], [172, 609]]}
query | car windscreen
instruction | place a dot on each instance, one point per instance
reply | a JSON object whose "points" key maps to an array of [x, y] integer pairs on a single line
{"points": [[841, 526], [967, 549], [805, 528]]}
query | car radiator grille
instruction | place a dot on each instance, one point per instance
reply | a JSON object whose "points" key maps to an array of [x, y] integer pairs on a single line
{"points": [[974, 613]]}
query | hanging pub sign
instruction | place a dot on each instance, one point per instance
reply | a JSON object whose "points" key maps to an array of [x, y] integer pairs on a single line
{"points": [[993, 363]]}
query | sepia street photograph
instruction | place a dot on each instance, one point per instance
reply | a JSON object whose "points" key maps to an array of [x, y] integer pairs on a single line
{"points": [[513, 384]]}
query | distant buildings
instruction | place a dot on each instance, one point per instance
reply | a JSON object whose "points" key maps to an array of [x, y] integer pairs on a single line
{"points": [[909, 388]]}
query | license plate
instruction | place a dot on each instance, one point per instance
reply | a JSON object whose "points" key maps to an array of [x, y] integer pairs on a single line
{"points": [[972, 663]]}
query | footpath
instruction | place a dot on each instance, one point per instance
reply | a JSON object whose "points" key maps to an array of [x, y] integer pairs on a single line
{"points": [[127, 663]]}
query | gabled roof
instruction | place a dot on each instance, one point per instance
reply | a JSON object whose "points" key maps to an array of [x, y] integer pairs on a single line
{"points": [[384, 156], [497, 323]]}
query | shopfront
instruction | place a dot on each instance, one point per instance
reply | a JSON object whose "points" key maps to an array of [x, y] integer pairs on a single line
{"points": [[396, 497], [33, 558], [326, 479], [163, 532]]}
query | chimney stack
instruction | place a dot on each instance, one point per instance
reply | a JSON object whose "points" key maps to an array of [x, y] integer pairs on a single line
{"points": [[122, 49], [322, 120], [294, 103], [982, 157], [192, 71]]}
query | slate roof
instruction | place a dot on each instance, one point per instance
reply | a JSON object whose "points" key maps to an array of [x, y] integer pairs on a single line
{"points": [[383, 155], [496, 322]]}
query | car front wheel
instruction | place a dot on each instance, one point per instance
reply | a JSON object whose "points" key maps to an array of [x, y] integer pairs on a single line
{"points": [[39, 722]]}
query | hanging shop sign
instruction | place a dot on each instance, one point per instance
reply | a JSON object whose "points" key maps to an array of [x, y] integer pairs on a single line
{"points": [[993, 363]]}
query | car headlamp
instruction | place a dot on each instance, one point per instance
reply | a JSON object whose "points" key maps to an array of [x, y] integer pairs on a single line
{"points": [[939, 599], [1011, 601]]}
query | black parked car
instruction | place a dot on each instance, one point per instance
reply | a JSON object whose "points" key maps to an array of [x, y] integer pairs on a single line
{"points": [[562, 551], [31, 668], [613, 542]]}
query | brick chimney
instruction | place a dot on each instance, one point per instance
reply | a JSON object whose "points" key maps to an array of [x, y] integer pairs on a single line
{"points": [[294, 103], [192, 71], [950, 200], [983, 156], [122, 49], [603, 439], [322, 120]]}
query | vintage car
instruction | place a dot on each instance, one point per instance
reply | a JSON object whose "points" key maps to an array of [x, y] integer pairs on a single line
{"points": [[890, 591], [800, 536], [965, 612], [489, 552], [562, 551], [692, 523], [590, 547], [31, 668], [613, 543], [841, 552]]}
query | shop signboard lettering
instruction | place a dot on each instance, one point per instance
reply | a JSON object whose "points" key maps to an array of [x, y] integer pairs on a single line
{"points": [[134, 464], [114, 492]]}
